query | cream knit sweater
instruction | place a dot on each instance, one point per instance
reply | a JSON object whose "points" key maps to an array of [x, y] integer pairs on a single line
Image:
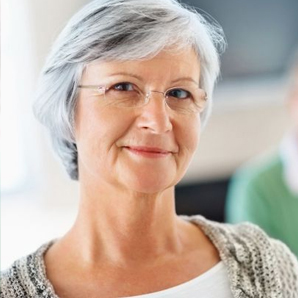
{"points": [[258, 266]]}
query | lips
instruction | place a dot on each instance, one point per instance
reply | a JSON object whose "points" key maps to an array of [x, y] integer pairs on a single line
{"points": [[148, 149], [153, 152]]}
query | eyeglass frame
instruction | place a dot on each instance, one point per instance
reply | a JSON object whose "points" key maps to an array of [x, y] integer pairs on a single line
{"points": [[102, 89]]}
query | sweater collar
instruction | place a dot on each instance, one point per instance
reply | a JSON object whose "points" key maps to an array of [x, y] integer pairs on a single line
{"points": [[248, 255]]}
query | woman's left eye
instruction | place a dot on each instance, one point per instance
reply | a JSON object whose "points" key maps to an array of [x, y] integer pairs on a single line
{"points": [[179, 93], [125, 86]]}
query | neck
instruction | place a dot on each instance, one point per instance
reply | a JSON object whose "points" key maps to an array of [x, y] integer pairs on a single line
{"points": [[126, 227]]}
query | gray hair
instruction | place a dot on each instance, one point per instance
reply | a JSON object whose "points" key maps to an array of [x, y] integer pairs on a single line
{"points": [[118, 30]]}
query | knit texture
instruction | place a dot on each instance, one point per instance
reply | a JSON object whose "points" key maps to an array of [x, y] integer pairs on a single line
{"points": [[258, 266]]}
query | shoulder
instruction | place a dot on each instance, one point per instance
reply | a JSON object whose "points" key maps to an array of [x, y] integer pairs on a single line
{"points": [[255, 261], [233, 236], [265, 257], [287, 265], [26, 277], [14, 282], [250, 239]]}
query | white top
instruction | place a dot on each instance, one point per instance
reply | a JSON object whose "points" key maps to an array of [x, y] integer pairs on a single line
{"points": [[214, 283]]}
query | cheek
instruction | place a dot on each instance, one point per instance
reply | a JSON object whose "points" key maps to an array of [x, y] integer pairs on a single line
{"points": [[189, 135], [97, 130], [192, 132], [93, 122]]}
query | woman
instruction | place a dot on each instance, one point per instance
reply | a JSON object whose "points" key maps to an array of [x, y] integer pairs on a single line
{"points": [[125, 93]]}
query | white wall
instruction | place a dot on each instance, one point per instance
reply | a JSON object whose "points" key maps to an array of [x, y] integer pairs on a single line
{"points": [[44, 205]]}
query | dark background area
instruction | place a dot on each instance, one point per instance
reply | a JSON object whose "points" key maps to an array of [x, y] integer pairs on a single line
{"points": [[261, 35], [204, 198]]}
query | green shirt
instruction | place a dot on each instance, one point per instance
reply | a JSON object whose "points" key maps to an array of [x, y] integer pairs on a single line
{"points": [[258, 193]]}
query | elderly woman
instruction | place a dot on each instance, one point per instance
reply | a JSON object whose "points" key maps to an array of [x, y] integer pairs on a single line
{"points": [[125, 93]]}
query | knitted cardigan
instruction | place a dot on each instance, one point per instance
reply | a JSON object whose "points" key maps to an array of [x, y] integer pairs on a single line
{"points": [[258, 266]]}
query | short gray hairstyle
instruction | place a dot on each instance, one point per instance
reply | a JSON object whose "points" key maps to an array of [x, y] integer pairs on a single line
{"points": [[108, 30]]}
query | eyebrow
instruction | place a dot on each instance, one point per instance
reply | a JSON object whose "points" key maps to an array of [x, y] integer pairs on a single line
{"points": [[186, 79], [127, 74], [141, 79]]}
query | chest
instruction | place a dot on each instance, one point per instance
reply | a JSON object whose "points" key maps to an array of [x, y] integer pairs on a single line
{"points": [[131, 282]]}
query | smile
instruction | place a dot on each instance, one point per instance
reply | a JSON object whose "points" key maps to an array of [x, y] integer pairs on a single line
{"points": [[148, 151]]}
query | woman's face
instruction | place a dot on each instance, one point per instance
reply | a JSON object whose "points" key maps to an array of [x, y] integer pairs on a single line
{"points": [[145, 149]]}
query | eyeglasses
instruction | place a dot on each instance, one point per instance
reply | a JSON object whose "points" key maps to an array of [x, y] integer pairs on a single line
{"points": [[184, 99]]}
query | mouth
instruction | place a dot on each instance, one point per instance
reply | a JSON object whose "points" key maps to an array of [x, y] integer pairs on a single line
{"points": [[148, 151]]}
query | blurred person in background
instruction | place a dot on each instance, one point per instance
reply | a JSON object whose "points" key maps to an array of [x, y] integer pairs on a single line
{"points": [[125, 93], [265, 191]]}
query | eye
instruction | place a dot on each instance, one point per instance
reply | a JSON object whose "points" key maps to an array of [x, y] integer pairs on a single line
{"points": [[123, 86], [179, 93]]}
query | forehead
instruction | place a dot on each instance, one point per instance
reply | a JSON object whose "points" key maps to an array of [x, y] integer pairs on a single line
{"points": [[166, 65]]}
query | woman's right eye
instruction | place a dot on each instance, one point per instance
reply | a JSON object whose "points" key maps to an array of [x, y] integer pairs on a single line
{"points": [[125, 86]]}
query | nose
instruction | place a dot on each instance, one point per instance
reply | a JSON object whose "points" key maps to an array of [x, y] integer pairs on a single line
{"points": [[155, 114]]}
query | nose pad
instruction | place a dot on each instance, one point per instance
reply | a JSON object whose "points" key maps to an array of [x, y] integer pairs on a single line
{"points": [[149, 96], [155, 116]]}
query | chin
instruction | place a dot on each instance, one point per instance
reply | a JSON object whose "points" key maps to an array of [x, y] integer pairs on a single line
{"points": [[148, 185]]}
